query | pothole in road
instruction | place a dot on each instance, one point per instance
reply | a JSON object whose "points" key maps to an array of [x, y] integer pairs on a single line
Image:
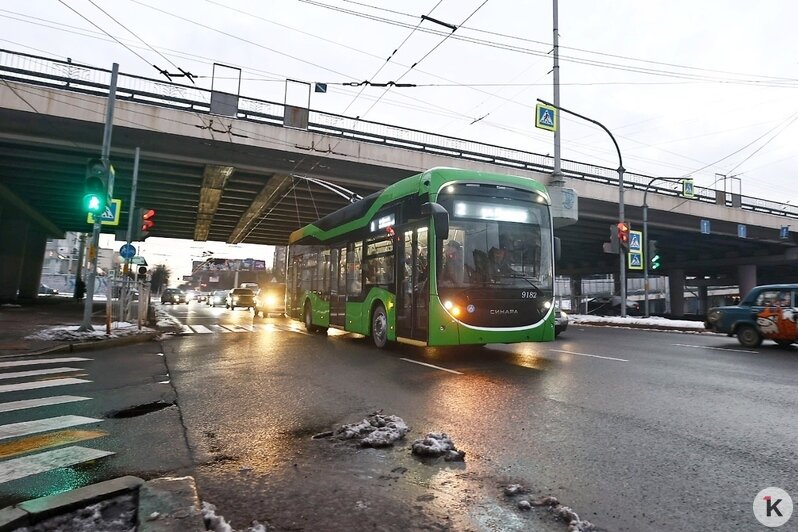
{"points": [[139, 410]]}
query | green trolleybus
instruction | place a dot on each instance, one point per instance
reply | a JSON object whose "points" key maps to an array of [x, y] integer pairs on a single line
{"points": [[446, 257]]}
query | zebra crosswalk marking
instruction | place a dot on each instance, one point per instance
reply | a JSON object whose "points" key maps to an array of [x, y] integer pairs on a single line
{"points": [[40, 384], [39, 463], [34, 362], [200, 329], [40, 442], [25, 428], [44, 401], [35, 372]]}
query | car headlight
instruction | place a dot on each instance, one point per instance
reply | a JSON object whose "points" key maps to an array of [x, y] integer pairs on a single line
{"points": [[563, 315], [713, 315], [271, 301]]}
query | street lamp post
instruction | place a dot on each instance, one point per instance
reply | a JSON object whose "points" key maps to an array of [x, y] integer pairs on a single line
{"points": [[621, 169]]}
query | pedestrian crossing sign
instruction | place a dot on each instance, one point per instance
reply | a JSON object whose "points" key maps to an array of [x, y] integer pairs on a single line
{"points": [[546, 117], [635, 259]]}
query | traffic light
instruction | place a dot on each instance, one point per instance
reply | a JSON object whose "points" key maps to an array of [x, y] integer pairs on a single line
{"points": [[614, 242], [95, 187], [653, 255], [145, 221], [623, 234]]}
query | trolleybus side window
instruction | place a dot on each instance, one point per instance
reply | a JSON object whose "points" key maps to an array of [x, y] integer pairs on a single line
{"points": [[354, 270]]}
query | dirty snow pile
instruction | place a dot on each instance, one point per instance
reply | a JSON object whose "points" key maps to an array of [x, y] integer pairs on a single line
{"points": [[563, 512], [165, 320], [70, 332], [437, 444], [111, 515], [653, 321], [217, 523], [375, 430]]}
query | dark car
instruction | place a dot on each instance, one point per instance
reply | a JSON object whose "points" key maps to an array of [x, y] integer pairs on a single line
{"points": [[270, 300], [757, 316], [611, 306], [173, 295], [240, 297], [47, 291], [217, 297], [560, 321]]}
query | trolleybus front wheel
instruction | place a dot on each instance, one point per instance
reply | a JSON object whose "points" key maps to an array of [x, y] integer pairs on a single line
{"points": [[379, 326]]}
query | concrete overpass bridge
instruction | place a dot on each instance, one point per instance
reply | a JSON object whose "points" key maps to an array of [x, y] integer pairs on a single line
{"points": [[227, 173]]}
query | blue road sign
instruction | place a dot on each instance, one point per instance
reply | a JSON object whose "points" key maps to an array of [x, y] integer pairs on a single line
{"points": [[784, 233], [742, 231], [127, 251], [704, 227], [546, 117], [635, 260], [635, 240]]}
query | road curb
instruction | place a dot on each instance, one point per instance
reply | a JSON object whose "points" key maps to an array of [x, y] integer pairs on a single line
{"points": [[73, 347], [169, 504], [35, 510]]}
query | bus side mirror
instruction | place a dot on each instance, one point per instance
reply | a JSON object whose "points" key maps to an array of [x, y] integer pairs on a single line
{"points": [[441, 217], [557, 249]]}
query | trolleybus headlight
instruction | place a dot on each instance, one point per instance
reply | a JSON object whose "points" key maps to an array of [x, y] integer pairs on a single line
{"points": [[455, 311], [448, 305], [547, 305]]}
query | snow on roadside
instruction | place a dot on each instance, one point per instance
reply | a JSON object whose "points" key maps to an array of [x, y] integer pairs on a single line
{"points": [[633, 320], [70, 332], [165, 320], [218, 523], [374, 431], [437, 444]]}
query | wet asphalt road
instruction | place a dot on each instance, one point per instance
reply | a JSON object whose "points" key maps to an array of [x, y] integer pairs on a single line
{"points": [[636, 430]]}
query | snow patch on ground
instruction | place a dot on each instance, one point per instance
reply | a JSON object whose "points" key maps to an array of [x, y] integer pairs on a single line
{"points": [[563, 512], [217, 523], [633, 320], [70, 332], [111, 515], [437, 444], [165, 320], [376, 430]]}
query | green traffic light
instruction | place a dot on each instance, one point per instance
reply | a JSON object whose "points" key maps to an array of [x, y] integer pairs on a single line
{"points": [[655, 264], [93, 204]]}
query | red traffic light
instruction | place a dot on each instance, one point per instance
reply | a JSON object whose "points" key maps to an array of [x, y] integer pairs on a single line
{"points": [[147, 221], [623, 233]]}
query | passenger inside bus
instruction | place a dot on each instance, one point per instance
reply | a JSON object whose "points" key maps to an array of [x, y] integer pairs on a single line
{"points": [[500, 258], [452, 272]]}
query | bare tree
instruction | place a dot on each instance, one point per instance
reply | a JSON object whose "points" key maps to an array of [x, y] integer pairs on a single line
{"points": [[160, 278]]}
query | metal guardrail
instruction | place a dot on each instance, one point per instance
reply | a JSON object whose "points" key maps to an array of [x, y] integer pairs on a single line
{"points": [[75, 77]]}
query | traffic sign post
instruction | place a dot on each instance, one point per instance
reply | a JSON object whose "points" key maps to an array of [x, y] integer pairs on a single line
{"points": [[688, 188], [127, 251]]}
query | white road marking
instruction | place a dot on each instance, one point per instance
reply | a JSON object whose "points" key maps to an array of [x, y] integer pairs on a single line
{"points": [[201, 329], [186, 330], [44, 401], [16, 363], [40, 384], [717, 348], [224, 329], [33, 373], [241, 328], [588, 355], [41, 462], [24, 428], [431, 366]]}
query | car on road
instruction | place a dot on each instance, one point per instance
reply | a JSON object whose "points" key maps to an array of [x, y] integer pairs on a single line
{"points": [[611, 306], [217, 297], [767, 312], [270, 300], [173, 295], [560, 321], [47, 291], [240, 297]]}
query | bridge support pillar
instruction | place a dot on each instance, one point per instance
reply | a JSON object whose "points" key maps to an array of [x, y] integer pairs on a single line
{"points": [[676, 288], [576, 294], [32, 262], [746, 278], [13, 237], [703, 299]]}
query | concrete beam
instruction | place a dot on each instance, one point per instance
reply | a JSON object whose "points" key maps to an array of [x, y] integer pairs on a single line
{"points": [[272, 192], [214, 179]]}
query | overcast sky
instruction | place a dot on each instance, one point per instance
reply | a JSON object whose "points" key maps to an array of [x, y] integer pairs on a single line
{"points": [[696, 88]]}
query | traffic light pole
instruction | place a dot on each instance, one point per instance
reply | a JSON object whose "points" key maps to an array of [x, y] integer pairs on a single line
{"points": [[646, 257], [621, 213], [91, 275]]}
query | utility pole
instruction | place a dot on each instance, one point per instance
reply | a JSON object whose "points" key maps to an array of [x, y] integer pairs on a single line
{"points": [[95, 237], [556, 178]]}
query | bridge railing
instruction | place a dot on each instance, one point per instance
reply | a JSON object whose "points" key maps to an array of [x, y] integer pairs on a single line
{"points": [[75, 77]]}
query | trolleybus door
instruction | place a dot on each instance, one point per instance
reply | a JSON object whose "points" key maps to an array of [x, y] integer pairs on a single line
{"points": [[412, 288], [338, 284]]}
